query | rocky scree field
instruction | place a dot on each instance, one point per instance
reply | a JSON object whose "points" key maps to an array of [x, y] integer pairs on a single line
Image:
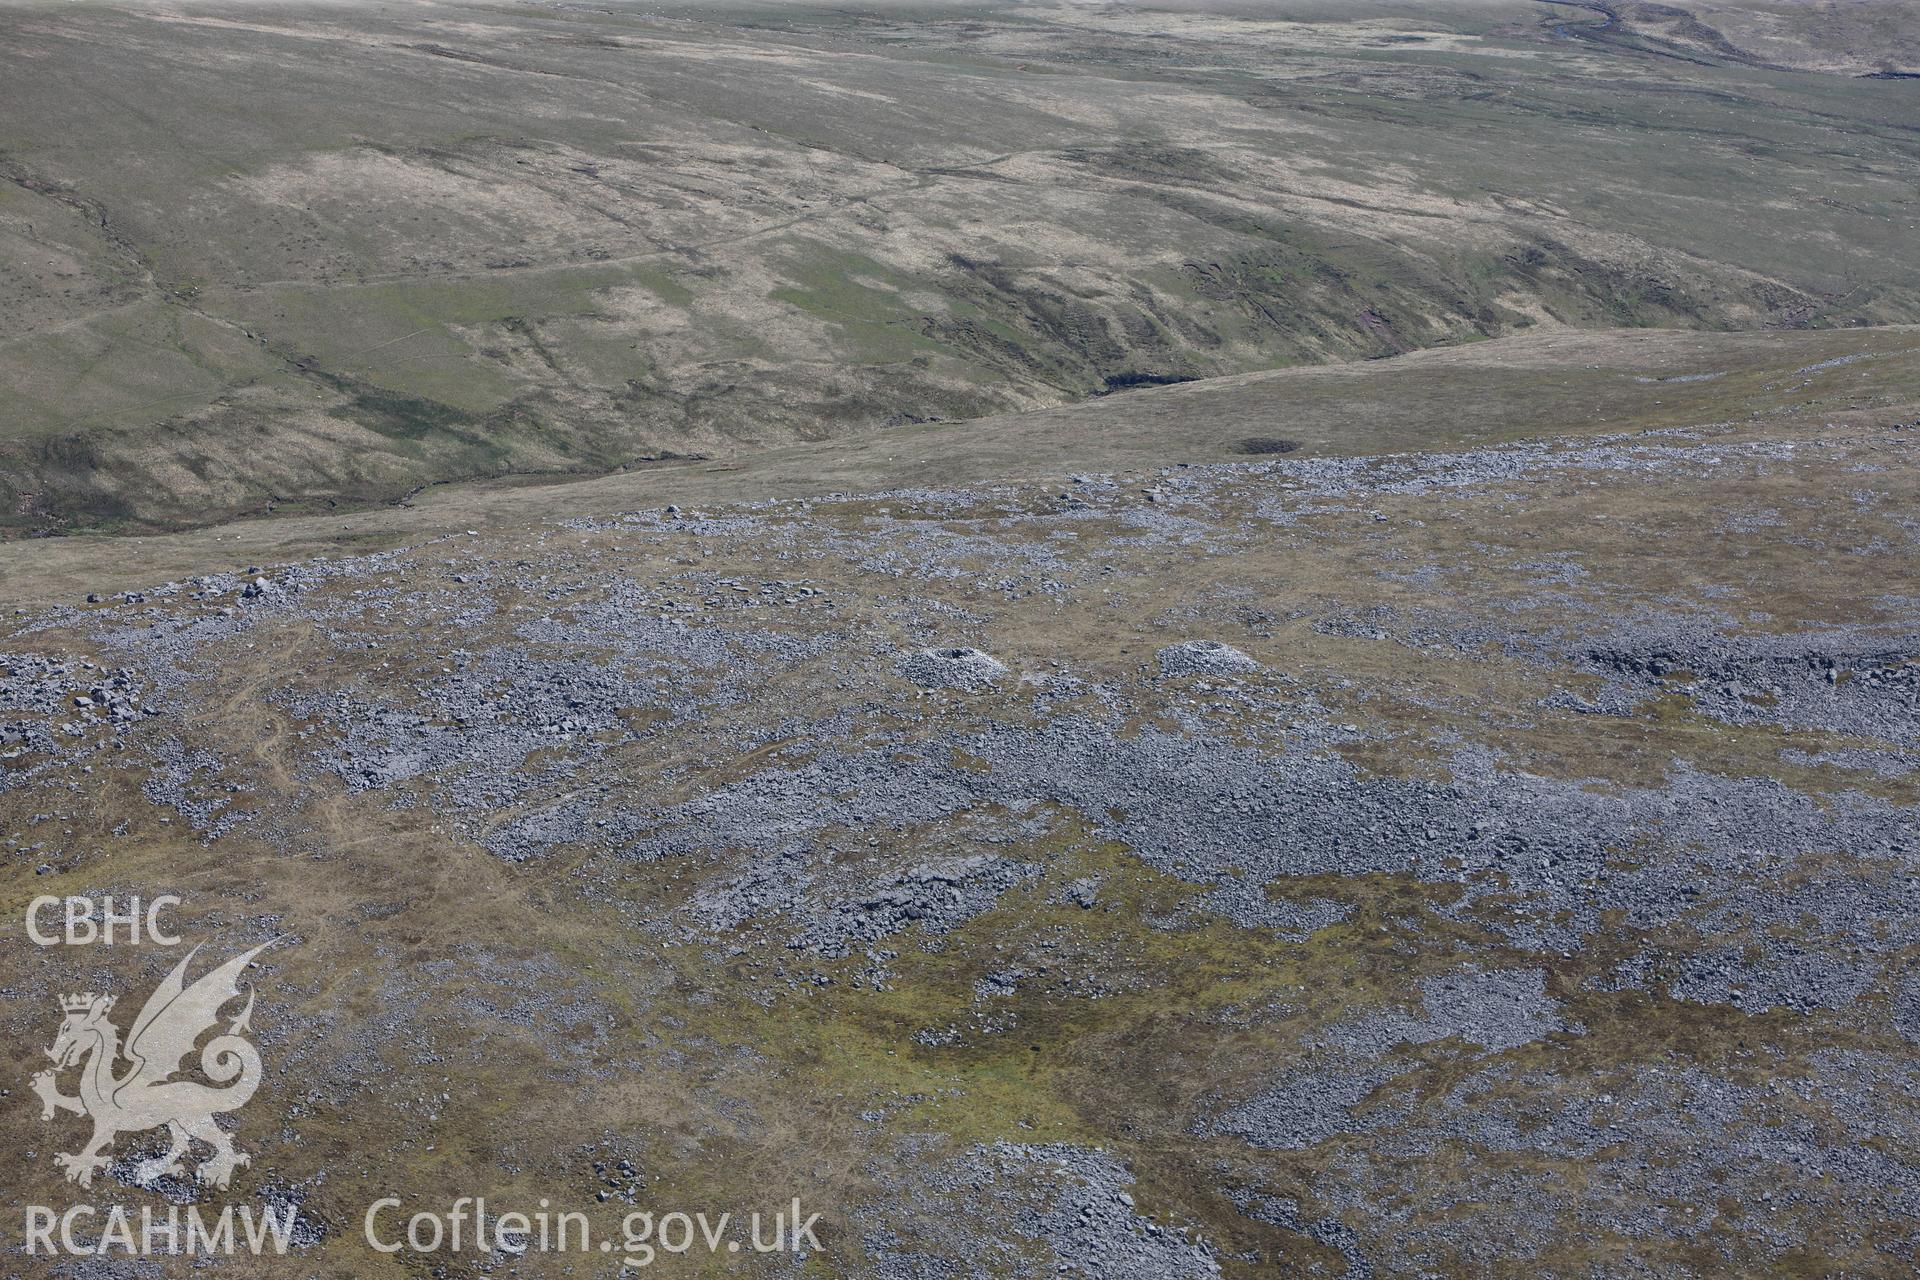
{"points": [[1201, 640], [1483, 860]]}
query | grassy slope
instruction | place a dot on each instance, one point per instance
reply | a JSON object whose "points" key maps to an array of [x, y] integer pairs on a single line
{"points": [[335, 254], [1545, 383]]}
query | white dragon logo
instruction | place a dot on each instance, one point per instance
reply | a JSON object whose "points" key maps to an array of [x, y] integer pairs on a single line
{"points": [[170, 1023]]}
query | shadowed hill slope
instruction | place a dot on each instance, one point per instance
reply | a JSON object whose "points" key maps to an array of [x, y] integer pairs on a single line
{"points": [[1545, 384], [339, 252]]}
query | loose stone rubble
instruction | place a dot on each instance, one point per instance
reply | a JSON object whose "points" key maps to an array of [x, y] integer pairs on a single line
{"points": [[1419, 926]]}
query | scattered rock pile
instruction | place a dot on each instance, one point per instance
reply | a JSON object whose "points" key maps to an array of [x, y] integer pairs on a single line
{"points": [[953, 667], [1204, 658]]}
